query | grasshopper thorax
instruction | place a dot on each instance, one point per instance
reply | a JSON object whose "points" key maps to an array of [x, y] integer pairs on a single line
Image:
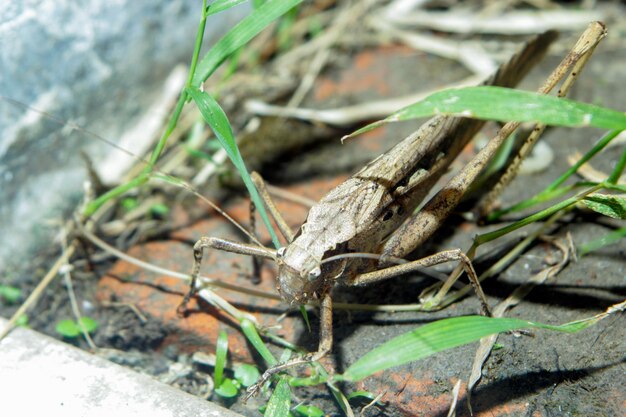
{"points": [[299, 274]]}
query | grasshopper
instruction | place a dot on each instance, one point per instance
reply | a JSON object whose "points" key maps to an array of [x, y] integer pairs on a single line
{"points": [[360, 227]]}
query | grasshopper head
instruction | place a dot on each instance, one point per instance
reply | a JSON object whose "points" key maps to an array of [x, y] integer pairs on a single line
{"points": [[298, 275]]}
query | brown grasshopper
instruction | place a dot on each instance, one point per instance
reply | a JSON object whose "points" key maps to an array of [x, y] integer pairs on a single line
{"points": [[362, 216]]}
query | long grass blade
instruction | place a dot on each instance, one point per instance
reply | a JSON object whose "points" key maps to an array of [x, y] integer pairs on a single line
{"points": [[446, 334], [221, 5], [221, 350], [280, 401], [238, 36], [505, 104], [218, 121], [605, 240], [552, 191], [248, 329]]}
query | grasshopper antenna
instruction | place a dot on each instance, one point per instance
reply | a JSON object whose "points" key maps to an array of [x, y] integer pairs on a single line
{"points": [[159, 174], [365, 255]]}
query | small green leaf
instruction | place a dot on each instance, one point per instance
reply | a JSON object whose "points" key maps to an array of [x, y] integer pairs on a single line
{"points": [[246, 374], [22, 321], [128, 204], [221, 350], [159, 210], [90, 324], [608, 205], [308, 411], [67, 328], [227, 389], [10, 294], [361, 393], [280, 401]]}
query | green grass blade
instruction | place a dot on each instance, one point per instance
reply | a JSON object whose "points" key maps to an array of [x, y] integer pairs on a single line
{"points": [[617, 172], [280, 401], [605, 240], [562, 205], [552, 191], [116, 192], [428, 340], [248, 329], [505, 104], [341, 399], [361, 394], [442, 335], [199, 72], [309, 381], [221, 350], [91, 208], [221, 5], [217, 120], [601, 144], [238, 36], [305, 316]]}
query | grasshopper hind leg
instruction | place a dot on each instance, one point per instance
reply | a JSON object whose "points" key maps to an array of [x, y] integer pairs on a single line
{"points": [[257, 263], [436, 259]]}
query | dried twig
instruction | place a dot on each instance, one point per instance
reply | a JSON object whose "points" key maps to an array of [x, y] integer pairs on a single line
{"points": [[67, 279], [510, 23], [349, 115], [486, 344]]}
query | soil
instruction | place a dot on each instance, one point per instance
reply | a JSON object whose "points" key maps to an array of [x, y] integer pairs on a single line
{"points": [[538, 374]]}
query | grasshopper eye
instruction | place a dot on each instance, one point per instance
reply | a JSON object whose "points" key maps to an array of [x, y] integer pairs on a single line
{"points": [[315, 272], [280, 252]]}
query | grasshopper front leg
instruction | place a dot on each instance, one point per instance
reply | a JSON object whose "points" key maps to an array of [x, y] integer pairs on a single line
{"points": [[324, 347], [235, 247], [219, 244]]}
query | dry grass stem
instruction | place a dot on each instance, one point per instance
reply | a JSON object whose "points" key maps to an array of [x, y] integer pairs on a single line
{"points": [[510, 23]]}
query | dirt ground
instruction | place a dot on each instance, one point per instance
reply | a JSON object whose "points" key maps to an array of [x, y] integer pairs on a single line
{"points": [[538, 374]]}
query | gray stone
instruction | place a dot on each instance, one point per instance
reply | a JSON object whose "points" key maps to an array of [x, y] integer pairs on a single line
{"points": [[98, 64]]}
